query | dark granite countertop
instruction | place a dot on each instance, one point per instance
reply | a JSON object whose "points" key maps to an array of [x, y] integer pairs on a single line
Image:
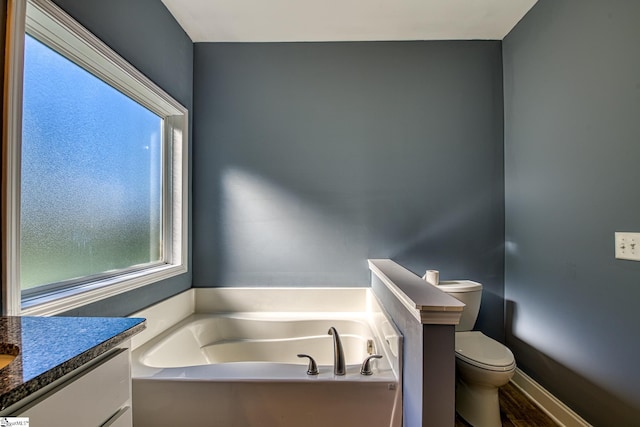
{"points": [[50, 347]]}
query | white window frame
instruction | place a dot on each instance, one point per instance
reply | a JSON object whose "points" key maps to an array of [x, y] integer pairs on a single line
{"points": [[50, 24]]}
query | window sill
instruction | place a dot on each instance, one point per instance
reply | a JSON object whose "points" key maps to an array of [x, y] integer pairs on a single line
{"points": [[53, 304]]}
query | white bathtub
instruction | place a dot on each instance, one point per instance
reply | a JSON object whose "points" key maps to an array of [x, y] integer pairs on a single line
{"points": [[233, 363]]}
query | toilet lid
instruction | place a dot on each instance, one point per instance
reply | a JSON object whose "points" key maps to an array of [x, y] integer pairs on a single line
{"points": [[479, 350]]}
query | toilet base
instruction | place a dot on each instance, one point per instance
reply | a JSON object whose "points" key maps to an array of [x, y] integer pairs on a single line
{"points": [[478, 405]]}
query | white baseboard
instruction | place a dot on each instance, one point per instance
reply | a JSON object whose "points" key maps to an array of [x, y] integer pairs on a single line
{"points": [[558, 411]]}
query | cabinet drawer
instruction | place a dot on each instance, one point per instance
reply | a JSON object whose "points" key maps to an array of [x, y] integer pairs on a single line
{"points": [[87, 400], [123, 418]]}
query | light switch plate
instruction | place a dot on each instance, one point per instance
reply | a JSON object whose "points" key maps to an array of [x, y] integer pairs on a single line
{"points": [[627, 246]]}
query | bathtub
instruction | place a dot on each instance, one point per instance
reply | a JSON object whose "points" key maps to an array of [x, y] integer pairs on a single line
{"points": [[225, 361]]}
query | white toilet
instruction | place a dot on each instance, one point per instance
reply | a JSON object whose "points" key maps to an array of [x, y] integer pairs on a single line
{"points": [[482, 364]]}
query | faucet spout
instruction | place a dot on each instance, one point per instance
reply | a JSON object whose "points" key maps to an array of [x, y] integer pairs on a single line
{"points": [[338, 353]]}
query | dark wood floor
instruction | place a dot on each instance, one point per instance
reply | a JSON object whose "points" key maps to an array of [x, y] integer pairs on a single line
{"points": [[516, 411]]}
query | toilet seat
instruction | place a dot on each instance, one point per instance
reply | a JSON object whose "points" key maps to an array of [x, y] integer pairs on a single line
{"points": [[479, 350]]}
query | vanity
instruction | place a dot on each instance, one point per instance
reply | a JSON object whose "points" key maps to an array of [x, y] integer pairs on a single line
{"points": [[67, 371]]}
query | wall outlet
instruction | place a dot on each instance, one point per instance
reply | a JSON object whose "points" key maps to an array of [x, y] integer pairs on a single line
{"points": [[627, 246]]}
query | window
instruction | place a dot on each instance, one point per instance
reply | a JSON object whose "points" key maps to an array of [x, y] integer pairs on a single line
{"points": [[96, 170]]}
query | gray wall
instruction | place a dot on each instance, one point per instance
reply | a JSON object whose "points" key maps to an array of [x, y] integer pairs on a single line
{"points": [[145, 34], [572, 147], [310, 158]]}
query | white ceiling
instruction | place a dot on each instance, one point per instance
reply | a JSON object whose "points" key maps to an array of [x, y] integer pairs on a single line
{"points": [[346, 20]]}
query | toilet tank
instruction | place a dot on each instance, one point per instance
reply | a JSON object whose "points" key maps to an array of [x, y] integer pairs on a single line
{"points": [[470, 293]]}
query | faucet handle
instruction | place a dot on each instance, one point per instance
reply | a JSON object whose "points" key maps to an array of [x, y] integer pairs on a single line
{"points": [[313, 367], [366, 365]]}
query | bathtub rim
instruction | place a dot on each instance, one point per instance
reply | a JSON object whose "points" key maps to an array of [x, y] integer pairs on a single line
{"points": [[276, 370], [168, 313]]}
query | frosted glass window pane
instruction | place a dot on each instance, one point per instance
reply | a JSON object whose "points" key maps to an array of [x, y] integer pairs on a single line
{"points": [[91, 196]]}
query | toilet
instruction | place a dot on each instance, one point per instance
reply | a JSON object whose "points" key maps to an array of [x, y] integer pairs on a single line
{"points": [[482, 364]]}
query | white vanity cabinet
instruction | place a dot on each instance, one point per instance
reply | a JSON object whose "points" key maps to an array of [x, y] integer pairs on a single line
{"points": [[97, 394]]}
